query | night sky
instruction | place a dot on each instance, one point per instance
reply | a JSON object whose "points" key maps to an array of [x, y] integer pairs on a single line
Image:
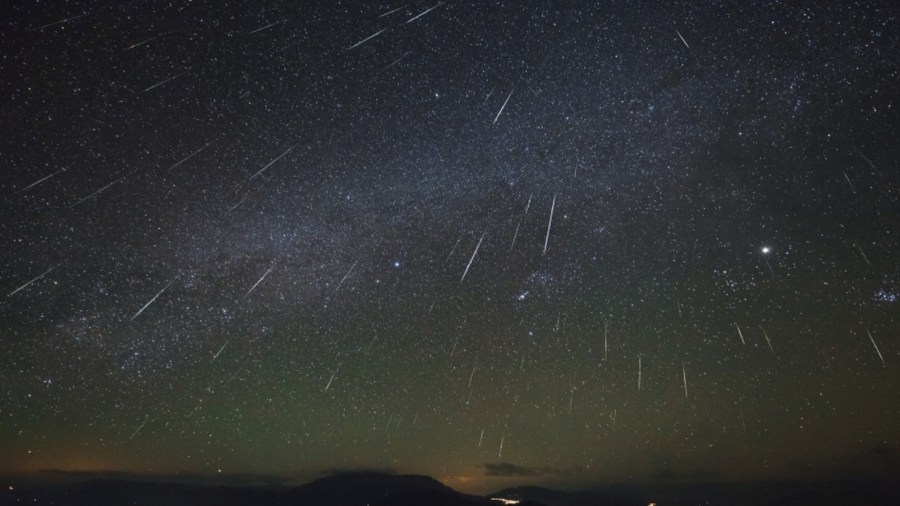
{"points": [[561, 243]]}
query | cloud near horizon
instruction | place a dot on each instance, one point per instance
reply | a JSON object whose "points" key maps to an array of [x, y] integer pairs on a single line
{"points": [[187, 478], [358, 471], [506, 469]]}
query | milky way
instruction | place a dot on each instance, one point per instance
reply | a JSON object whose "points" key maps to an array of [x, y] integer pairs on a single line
{"points": [[558, 242]]}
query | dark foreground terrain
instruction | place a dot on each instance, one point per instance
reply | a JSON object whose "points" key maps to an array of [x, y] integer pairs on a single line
{"points": [[781, 493], [339, 490], [392, 490]]}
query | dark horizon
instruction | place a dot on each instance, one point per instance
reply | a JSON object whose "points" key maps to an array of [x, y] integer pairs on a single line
{"points": [[387, 488], [497, 476]]}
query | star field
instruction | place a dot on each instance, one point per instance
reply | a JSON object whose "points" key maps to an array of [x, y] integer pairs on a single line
{"points": [[491, 242]]}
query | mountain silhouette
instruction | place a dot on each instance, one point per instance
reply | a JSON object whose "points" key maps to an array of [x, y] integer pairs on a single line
{"points": [[376, 489], [349, 489]]}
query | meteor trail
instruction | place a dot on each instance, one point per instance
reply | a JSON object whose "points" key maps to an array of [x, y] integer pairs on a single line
{"points": [[876, 347], [740, 334], [516, 233], [473, 258], [396, 61], [338, 287], [503, 106], [279, 157], [393, 11], [61, 21], [852, 188], [145, 41], [765, 251], [139, 428], [220, 351], [98, 192], [270, 25], [870, 163], [188, 157], [549, 223], [605, 341], [453, 249], [30, 282], [152, 300], [41, 180], [164, 81], [863, 253], [239, 202], [426, 11], [370, 37], [639, 372], [769, 342], [260, 280], [330, 380], [682, 39]]}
